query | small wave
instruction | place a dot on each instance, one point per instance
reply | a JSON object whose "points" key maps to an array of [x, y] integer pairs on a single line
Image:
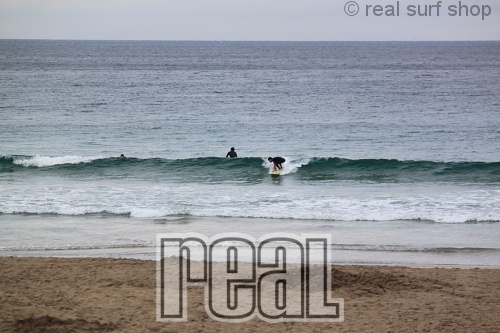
{"points": [[393, 170], [401, 248], [254, 169], [45, 161], [80, 247], [161, 215], [87, 211]]}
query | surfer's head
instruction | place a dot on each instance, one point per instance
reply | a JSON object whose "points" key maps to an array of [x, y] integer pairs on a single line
{"points": [[232, 148], [270, 159]]}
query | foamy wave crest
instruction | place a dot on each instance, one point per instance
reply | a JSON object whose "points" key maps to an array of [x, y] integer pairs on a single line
{"points": [[150, 212], [45, 161]]}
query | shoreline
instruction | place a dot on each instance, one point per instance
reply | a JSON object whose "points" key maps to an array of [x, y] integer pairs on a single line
{"points": [[119, 295], [340, 264]]}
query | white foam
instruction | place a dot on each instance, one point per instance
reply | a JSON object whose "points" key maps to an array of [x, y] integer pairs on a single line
{"points": [[45, 161], [150, 213], [293, 201]]}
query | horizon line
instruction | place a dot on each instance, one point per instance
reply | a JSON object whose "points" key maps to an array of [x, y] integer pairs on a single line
{"points": [[233, 40]]}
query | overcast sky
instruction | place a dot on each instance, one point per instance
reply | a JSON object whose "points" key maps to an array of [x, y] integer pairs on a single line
{"points": [[317, 20]]}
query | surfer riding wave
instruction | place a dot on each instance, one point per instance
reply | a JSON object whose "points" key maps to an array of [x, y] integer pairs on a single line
{"points": [[277, 161]]}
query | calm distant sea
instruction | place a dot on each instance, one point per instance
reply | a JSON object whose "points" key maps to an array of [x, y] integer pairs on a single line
{"points": [[393, 148]]}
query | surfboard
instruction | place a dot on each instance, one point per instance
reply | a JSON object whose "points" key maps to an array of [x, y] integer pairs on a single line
{"points": [[276, 173]]}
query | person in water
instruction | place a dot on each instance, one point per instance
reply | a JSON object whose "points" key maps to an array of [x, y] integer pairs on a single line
{"points": [[231, 153], [277, 162]]}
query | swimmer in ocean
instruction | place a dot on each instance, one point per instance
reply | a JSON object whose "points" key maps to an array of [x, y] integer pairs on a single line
{"points": [[231, 153]]}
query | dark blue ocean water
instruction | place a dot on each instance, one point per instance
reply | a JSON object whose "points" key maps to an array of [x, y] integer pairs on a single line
{"points": [[391, 147]]}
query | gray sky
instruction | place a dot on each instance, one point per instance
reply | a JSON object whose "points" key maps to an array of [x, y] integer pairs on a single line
{"points": [[246, 20]]}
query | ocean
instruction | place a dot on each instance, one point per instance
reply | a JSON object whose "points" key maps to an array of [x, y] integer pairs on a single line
{"points": [[391, 148]]}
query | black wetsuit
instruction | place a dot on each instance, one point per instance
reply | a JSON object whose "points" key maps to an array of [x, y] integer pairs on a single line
{"points": [[232, 154], [277, 162]]}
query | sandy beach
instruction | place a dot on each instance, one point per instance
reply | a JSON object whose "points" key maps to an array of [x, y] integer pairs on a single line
{"points": [[118, 295]]}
